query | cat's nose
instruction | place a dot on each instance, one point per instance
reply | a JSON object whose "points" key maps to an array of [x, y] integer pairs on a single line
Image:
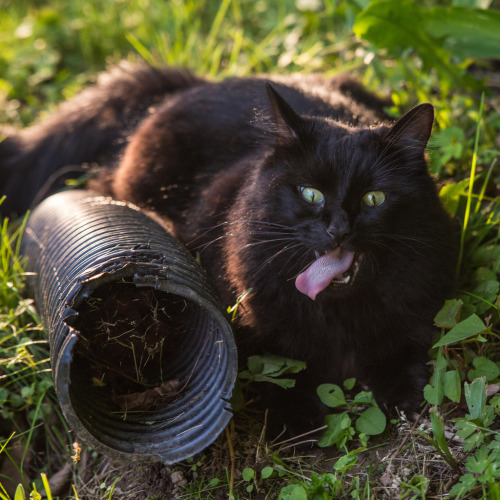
{"points": [[338, 231]]}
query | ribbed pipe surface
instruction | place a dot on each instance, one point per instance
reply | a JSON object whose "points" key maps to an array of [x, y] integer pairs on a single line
{"points": [[143, 358]]}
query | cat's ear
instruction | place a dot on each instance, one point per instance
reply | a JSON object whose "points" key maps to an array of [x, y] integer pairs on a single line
{"points": [[414, 128], [287, 120]]}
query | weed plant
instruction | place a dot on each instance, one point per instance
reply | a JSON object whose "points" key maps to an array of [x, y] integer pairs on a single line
{"points": [[438, 51]]}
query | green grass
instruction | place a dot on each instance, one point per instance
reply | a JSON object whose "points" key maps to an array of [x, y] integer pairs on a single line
{"points": [[26, 386], [50, 50]]}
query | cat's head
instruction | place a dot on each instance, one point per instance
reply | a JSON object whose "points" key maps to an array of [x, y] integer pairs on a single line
{"points": [[339, 204]]}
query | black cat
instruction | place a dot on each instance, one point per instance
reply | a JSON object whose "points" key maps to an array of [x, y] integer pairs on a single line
{"points": [[288, 187]]}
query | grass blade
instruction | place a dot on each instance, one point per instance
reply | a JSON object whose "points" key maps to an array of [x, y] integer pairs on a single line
{"points": [[46, 486], [471, 186]]}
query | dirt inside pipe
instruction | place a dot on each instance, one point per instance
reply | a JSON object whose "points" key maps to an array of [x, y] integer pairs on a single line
{"points": [[129, 337]]}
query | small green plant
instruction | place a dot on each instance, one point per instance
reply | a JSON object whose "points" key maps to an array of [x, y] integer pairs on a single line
{"points": [[361, 414], [319, 487], [414, 489], [248, 475], [270, 369]]}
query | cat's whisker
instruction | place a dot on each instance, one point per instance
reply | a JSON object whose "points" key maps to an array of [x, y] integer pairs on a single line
{"points": [[301, 269], [242, 222], [294, 254], [378, 159], [255, 243], [370, 259], [267, 223], [204, 246], [286, 236], [207, 230], [400, 255], [257, 222], [405, 239], [412, 243], [276, 254], [284, 249], [383, 163], [384, 166]]}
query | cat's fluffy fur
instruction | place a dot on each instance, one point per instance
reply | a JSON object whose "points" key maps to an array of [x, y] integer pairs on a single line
{"points": [[226, 163]]}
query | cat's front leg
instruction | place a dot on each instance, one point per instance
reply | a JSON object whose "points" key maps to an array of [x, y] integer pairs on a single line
{"points": [[397, 381], [292, 412]]}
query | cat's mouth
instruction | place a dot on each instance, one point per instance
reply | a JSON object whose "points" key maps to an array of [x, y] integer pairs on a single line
{"points": [[336, 268], [347, 277]]}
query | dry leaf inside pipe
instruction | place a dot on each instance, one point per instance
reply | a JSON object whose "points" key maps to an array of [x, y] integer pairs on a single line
{"points": [[150, 397]]}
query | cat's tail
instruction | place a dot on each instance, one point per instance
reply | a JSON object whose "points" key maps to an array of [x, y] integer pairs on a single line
{"points": [[90, 128]]}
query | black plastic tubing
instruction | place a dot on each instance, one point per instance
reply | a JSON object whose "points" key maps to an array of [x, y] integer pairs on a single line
{"points": [[143, 358]]}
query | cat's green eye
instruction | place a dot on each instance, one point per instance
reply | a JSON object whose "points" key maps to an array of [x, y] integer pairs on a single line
{"points": [[312, 195], [374, 198]]}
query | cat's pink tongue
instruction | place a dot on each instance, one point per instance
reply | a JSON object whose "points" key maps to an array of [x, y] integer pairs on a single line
{"points": [[323, 270]]}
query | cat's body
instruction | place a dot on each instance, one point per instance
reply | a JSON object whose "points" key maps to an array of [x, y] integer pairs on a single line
{"points": [[332, 222]]}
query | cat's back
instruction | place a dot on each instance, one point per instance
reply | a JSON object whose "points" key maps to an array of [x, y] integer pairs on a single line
{"points": [[221, 122], [235, 103]]}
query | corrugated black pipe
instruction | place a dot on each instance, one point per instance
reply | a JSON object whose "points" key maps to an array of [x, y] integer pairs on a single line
{"points": [[143, 358]]}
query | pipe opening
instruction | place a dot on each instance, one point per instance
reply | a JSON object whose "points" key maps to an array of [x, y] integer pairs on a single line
{"points": [[143, 356]]}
